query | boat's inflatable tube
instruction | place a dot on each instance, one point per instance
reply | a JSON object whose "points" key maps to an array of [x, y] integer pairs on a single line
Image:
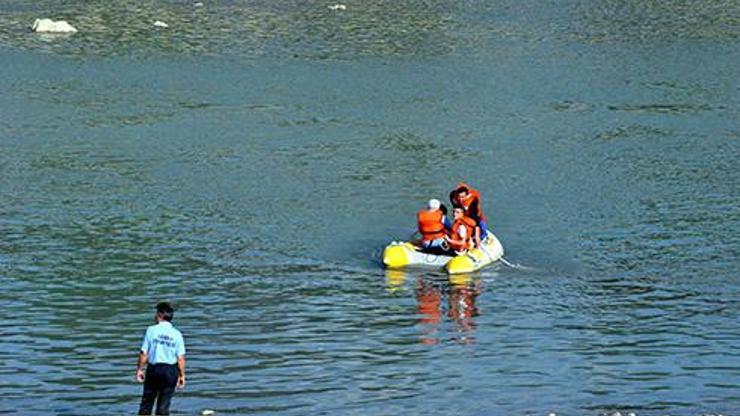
{"points": [[398, 255], [490, 251]]}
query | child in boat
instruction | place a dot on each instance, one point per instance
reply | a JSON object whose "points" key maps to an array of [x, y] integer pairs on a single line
{"points": [[464, 233]]}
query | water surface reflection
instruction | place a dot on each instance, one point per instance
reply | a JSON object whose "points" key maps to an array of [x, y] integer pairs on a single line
{"points": [[445, 306]]}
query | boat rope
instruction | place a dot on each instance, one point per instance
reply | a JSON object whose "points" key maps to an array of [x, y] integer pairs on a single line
{"points": [[516, 265], [506, 262]]}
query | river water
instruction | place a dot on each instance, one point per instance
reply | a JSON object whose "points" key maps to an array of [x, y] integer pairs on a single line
{"points": [[250, 162]]}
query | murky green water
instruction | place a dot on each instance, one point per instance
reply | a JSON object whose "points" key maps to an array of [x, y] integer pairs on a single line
{"points": [[250, 161]]}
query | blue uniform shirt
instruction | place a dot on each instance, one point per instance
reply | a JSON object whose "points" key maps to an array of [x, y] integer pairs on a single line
{"points": [[163, 344]]}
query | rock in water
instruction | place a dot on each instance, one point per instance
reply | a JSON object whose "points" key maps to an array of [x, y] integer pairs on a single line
{"points": [[51, 26]]}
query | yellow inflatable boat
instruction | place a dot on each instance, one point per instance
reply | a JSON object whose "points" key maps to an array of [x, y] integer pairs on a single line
{"points": [[398, 255]]}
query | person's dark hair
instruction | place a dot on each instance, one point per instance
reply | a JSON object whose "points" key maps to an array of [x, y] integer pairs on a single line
{"points": [[462, 189], [166, 311]]}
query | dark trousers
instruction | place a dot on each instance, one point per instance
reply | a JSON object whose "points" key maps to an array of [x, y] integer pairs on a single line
{"points": [[159, 384]]}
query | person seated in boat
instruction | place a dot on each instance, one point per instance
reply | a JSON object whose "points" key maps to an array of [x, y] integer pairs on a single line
{"points": [[464, 233], [433, 224], [469, 199]]}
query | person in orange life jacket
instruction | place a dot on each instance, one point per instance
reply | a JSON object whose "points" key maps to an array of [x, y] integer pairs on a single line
{"points": [[433, 224], [463, 232], [469, 199]]}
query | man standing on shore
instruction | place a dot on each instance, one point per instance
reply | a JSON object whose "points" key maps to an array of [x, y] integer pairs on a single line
{"points": [[163, 351]]}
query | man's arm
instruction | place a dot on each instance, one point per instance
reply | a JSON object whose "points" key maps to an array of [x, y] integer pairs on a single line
{"points": [[140, 366], [474, 210], [446, 222], [181, 372]]}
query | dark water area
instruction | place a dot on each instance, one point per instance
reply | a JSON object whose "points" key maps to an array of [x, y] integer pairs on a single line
{"points": [[251, 161]]}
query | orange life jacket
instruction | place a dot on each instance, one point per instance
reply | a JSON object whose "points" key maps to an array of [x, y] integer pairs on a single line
{"points": [[430, 224], [467, 203], [470, 225]]}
